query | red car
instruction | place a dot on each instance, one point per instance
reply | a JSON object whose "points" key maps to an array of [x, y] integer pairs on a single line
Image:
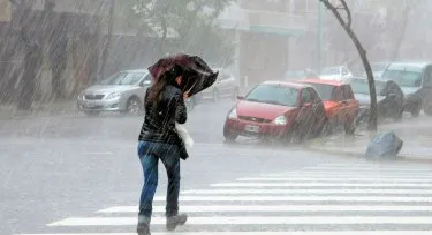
{"points": [[339, 100], [276, 109]]}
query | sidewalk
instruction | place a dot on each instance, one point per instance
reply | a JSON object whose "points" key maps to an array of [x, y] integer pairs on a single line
{"points": [[417, 144], [57, 108]]}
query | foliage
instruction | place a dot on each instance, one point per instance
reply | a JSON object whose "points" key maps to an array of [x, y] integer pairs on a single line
{"points": [[193, 24]]}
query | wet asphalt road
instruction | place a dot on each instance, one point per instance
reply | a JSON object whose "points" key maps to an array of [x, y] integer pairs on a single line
{"points": [[60, 167]]}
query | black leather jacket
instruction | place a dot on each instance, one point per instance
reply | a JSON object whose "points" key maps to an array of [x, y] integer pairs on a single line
{"points": [[159, 122]]}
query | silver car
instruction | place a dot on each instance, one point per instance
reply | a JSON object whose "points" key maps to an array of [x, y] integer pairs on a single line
{"points": [[123, 92], [225, 86]]}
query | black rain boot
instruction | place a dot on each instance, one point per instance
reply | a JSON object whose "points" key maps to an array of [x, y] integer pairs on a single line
{"points": [[143, 229], [143, 226], [174, 221]]}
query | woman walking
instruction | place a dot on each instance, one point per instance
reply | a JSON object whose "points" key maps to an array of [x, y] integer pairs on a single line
{"points": [[158, 140]]}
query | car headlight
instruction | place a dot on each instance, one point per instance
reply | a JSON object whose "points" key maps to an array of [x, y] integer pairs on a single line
{"points": [[281, 120], [232, 114], [113, 95]]}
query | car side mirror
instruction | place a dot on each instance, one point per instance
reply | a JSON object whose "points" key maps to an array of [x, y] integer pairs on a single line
{"points": [[239, 97]]}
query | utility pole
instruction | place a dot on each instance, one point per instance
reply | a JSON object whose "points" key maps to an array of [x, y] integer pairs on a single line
{"points": [[320, 35]]}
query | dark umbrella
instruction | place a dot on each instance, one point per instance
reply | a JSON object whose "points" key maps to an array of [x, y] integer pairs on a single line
{"points": [[197, 74]]}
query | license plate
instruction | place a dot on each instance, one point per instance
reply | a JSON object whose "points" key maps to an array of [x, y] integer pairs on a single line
{"points": [[89, 104], [251, 128]]}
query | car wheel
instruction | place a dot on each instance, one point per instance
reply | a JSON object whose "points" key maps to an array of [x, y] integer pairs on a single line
{"points": [[350, 127], [321, 129], [427, 105], [399, 115], [296, 135], [229, 137], [91, 113], [134, 106], [415, 112]]}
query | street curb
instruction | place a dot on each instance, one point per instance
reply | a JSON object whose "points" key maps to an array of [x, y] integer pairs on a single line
{"points": [[313, 146]]}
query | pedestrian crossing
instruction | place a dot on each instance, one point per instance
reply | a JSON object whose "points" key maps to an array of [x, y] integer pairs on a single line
{"points": [[361, 198]]}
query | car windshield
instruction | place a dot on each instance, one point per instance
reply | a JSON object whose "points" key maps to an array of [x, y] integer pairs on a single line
{"points": [[326, 92], [330, 71], [123, 78], [404, 78], [274, 94], [378, 66], [361, 86]]}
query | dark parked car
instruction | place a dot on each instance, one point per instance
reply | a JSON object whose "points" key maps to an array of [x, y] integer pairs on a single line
{"points": [[378, 68], [389, 96], [415, 80]]}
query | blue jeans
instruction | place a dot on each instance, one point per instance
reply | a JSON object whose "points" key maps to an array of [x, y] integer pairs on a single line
{"points": [[149, 154]]}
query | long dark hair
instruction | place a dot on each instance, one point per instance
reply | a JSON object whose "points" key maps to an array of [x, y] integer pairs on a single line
{"points": [[166, 79]]}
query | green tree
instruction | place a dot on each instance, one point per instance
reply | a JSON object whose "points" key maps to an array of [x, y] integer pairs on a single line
{"points": [[193, 23]]}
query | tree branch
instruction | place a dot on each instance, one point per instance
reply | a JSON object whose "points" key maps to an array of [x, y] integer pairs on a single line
{"points": [[346, 25], [348, 11]]}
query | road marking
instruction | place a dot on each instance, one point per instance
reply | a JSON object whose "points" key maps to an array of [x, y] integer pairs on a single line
{"points": [[345, 174], [425, 199], [234, 191], [248, 220], [303, 185], [323, 178], [368, 168], [368, 163], [261, 233], [272, 208]]}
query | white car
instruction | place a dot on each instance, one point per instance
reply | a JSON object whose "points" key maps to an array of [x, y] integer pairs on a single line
{"points": [[122, 92], [226, 85], [336, 73]]}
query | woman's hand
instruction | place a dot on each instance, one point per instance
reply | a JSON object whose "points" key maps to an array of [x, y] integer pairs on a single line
{"points": [[186, 95]]}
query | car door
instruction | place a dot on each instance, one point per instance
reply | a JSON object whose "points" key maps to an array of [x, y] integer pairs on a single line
{"points": [[305, 116], [337, 111], [349, 104], [318, 111], [317, 104]]}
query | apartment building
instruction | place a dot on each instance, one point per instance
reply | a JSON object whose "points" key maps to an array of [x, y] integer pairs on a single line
{"points": [[269, 31]]}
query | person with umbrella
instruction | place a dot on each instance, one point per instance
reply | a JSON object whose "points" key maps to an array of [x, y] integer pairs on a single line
{"points": [[174, 79]]}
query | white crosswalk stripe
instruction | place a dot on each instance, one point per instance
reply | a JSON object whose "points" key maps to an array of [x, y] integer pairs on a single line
{"points": [[328, 199]]}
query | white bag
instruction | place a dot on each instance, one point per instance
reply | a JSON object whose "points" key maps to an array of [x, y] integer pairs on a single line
{"points": [[184, 134]]}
